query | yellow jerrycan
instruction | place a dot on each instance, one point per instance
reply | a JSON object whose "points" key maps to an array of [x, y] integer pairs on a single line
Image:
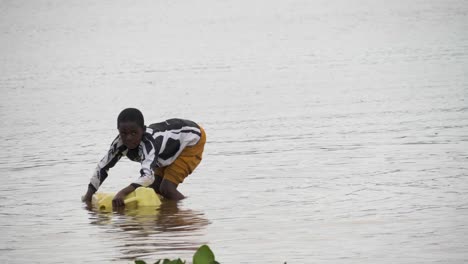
{"points": [[142, 196]]}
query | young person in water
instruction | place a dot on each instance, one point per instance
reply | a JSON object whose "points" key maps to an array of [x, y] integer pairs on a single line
{"points": [[168, 152]]}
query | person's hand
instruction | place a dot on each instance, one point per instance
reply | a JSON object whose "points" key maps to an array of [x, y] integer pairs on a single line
{"points": [[118, 200], [87, 200], [88, 197]]}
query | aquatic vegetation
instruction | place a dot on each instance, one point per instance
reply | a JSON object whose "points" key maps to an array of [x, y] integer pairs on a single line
{"points": [[203, 255]]}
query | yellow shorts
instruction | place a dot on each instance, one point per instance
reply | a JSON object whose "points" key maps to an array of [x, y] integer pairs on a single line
{"points": [[184, 165]]}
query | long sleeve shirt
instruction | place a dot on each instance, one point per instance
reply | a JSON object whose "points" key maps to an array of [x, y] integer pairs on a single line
{"points": [[160, 145]]}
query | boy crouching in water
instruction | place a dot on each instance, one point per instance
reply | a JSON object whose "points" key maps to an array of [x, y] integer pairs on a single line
{"points": [[168, 152]]}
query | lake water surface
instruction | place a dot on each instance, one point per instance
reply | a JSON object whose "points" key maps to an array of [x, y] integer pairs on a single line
{"points": [[337, 130]]}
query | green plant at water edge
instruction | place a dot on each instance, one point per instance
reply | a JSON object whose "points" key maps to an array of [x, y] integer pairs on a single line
{"points": [[203, 255]]}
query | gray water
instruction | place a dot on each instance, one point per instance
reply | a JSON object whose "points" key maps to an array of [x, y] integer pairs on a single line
{"points": [[337, 130]]}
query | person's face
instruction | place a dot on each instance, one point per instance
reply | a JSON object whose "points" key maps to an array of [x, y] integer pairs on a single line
{"points": [[131, 134]]}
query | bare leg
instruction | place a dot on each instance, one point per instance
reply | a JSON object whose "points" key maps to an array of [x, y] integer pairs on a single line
{"points": [[157, 184], [169, 190]]}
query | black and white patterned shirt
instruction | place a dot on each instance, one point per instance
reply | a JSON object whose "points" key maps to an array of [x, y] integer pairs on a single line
{"points": [[161, 144]]}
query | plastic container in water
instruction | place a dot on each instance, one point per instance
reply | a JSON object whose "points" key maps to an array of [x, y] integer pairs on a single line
{"points": [[141, 197]]}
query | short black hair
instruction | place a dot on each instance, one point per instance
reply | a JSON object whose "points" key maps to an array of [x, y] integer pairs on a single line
{"points": [[132, 115]]}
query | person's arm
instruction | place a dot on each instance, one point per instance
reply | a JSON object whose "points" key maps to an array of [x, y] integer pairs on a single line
{"points": [[146, 177], [120, 196], [100, 174]]}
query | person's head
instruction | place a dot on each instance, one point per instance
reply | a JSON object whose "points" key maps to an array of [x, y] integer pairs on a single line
{"points": [[131, 126]]}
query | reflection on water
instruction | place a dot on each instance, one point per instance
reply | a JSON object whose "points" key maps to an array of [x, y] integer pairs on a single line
{"points": [[152, 233]]}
